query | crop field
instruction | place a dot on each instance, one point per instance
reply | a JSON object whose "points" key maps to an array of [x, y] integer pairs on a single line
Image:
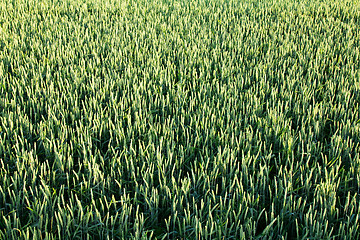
{"points": [[179, 119]]}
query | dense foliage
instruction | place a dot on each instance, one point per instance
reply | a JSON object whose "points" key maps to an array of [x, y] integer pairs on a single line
{"points": [[203, 119]]}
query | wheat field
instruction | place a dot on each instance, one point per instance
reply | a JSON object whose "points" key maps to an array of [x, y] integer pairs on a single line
{"points": [[179, 119]]}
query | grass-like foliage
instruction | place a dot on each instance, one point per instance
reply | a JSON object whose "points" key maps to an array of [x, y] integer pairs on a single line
{"points": [[173, 119]]}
